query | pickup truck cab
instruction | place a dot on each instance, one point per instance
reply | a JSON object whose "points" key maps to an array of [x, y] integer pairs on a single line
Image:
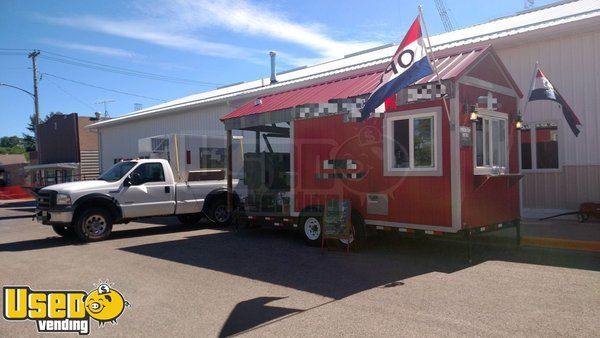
{"points": [[130, 190]]}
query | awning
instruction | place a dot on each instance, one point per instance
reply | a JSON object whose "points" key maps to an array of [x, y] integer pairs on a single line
{"points": [[451, 64], [70, 165]]}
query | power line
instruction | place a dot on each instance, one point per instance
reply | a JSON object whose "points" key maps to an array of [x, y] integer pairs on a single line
{"points": [[56, 57], [103, 88], [71, 95]]}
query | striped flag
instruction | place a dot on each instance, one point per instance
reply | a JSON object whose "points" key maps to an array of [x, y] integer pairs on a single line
{"points": [[542, 89], [409, 64]]}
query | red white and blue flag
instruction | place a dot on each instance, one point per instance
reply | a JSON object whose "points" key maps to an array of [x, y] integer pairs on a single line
{"points": [[542, 89], [409, 64]]}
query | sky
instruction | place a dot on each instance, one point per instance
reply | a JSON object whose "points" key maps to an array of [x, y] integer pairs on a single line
{"points": [[146, 52]]}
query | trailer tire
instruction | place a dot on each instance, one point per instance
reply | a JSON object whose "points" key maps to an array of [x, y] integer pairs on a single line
{"points": [[582, 217], [189, 219], [358, 234], [63, 231], [312, 229], [93, 225]]}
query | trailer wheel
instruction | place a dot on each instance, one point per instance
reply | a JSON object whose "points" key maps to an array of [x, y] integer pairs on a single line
{"points": [[312, 230], [582, 217], [357, 232], [93, 225], [189, 219], [63, 230]]}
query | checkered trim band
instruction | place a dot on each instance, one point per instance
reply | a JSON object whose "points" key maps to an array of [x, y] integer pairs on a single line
{"points": [[340, 164], [428, 91], [342, 176], [352, 106]]}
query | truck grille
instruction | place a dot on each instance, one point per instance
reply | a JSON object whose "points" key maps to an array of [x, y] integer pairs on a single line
{"points": [[46, 199]]}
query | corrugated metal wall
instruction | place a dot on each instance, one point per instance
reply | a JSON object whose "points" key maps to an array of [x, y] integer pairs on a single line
{"points": [[121, 141], [572, 63]]}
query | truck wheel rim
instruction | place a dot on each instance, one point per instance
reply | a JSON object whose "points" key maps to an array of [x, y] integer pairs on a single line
{"points": [[312, 228], [95, 226], [221, 214]]}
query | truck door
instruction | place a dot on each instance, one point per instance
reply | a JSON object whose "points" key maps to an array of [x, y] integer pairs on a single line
{"points": [[149, 194]]}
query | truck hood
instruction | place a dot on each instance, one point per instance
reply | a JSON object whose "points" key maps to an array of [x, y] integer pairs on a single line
{"points": [[72, 187]]}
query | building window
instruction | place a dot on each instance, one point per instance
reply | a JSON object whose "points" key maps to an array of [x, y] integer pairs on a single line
{"points": [[539, 146], [491, 147], [411, 144], [212, 158]]}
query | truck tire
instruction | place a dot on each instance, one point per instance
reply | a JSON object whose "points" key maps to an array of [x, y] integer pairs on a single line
{"points": [[312, 230], [63, 230], [189, 219], [217, 213], [93, 225]]}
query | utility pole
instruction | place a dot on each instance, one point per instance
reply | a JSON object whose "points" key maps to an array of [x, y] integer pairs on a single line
{"points": [[36, 116]]}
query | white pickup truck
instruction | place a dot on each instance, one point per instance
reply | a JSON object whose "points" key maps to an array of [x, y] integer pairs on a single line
{"points": [[130, 190]]}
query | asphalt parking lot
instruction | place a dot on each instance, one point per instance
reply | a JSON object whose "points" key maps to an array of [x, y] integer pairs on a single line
{"points": [[203, 281]]}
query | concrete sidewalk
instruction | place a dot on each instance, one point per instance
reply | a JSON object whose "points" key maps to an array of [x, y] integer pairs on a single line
{"points": [[556, 233]]}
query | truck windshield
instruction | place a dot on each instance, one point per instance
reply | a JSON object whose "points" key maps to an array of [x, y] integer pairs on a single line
{"points": [[117, 171]]}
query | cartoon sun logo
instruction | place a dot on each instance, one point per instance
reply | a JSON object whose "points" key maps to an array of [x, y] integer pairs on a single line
{"points": [[105, 304]]}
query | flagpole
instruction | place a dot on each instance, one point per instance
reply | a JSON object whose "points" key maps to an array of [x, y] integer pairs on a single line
{"points": [[537, 66], [432, 63]]}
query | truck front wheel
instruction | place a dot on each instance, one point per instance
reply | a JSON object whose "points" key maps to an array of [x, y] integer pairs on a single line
{"points": [[93, 225], [63, 231]]}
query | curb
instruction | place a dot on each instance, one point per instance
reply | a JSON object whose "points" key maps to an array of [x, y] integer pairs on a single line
{"points": [[557, 243]]}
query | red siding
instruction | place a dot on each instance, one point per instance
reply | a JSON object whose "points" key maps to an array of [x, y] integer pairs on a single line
{"points": [[497, 199], [416, 200]]}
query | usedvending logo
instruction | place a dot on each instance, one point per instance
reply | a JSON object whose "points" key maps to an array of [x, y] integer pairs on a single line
{"points": [[64, 311]]}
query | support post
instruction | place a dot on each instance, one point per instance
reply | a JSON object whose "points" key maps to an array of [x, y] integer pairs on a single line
{"points": [[469, 244], [518, 228], [257, 146], [229, 173]]}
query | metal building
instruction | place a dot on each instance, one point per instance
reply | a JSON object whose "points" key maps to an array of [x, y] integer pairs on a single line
{"points": [[561, 170]]}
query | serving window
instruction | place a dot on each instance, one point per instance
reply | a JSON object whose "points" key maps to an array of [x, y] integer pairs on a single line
{"points": [[490, 143], [412, 144]]}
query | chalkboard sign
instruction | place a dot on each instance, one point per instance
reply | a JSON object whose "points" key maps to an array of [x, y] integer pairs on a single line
{"points": [[336, 220]]}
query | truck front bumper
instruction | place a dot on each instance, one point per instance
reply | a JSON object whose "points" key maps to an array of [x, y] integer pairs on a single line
{"points": [[48, 217]]}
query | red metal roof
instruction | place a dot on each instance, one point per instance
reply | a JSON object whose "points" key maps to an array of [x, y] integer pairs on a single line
{"points": [[318, 93], [451, 64]]}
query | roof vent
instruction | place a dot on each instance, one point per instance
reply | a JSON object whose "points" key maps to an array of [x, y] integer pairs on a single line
{"points": [[273, 73]]}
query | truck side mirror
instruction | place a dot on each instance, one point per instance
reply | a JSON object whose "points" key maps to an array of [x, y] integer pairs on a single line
{"points": [[135, 179], [127, 181]]}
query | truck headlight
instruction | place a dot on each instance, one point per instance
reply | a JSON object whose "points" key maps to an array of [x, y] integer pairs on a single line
{"points": [[63, 199]]}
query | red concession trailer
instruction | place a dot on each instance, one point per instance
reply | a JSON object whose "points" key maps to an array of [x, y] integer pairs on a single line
{"points": [[415, 168]]}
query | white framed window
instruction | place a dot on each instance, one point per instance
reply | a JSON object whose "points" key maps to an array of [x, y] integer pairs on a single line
{"points": [[540, 149], [490, 145], [412, 143]]}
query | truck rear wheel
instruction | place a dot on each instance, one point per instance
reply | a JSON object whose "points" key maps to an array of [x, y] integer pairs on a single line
{"points": [[217, 213], [63, 231], [93, 225]]}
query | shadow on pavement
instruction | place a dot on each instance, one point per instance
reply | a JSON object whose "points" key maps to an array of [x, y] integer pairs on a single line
{"points": [[57, 241], [276, 257], [251, 313]]}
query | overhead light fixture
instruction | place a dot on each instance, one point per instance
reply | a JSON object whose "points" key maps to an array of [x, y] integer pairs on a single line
{"points": [[519, 122], [473, 113]]}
